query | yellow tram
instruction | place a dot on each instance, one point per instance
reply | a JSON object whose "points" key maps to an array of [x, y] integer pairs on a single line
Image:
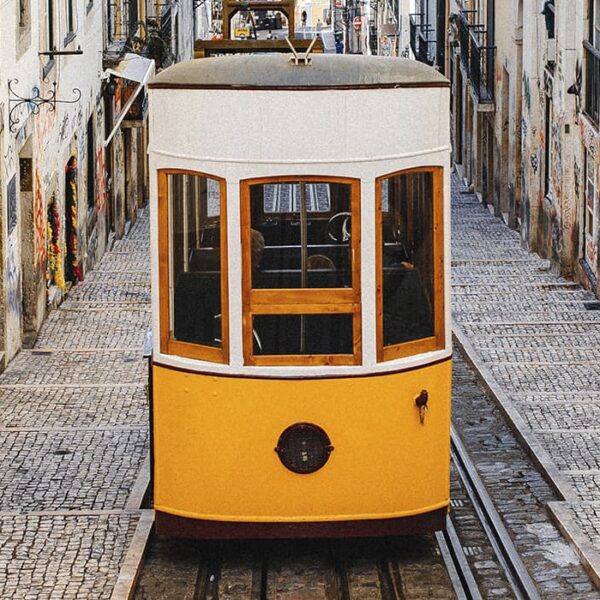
{"points": [[302, 348]]}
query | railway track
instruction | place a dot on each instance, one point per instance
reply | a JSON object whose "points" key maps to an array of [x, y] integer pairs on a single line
{"points": [[390, 569], [452, 549], [378, 569]]}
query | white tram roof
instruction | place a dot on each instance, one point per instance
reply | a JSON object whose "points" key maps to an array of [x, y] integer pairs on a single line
{"points": [[273, 71]]}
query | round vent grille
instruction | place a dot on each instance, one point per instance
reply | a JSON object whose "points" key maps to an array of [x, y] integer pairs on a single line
{"points": [[303, 448]]}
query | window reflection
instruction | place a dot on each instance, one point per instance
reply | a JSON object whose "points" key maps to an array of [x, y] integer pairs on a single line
{"points": [[407, 238], [301, 235], [302, 334], [194, 209]]}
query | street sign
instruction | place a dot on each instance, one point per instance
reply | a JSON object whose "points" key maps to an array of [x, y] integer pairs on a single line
{"points": [[357, 23]]}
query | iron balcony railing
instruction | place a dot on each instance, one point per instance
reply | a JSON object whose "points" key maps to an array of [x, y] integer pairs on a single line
{"points": [[421, 43], [476, 55], [122, 21], [592, 82]]}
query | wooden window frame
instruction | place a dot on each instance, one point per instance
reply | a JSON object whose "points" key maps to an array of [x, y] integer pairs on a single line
{"points": [[168, 345], [438, 340], [287, 301], [589, 212]]}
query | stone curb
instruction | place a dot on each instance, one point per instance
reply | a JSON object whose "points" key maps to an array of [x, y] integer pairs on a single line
{"points": [[132, 563], [140, 487], [532, 446], [589, 556]]}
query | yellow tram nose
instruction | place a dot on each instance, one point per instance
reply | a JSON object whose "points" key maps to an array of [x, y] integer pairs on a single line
{"points": [[215, 459]]}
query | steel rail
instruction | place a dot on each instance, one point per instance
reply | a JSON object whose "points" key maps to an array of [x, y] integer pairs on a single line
{"points": [[461, 575], [516, 573]]}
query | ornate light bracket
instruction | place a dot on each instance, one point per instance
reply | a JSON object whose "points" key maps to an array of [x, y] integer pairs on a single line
{"points": [[34, 102]]}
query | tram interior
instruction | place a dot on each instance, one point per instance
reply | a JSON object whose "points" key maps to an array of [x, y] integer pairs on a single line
{"points": [[195, 259], [407, 238], [304, 229], [302, 244]]}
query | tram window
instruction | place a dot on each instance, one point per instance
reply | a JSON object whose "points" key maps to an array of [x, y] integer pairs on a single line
{"points": [[195, 260], [408, 258], [300, 271], [302, 334], [303, 247]]}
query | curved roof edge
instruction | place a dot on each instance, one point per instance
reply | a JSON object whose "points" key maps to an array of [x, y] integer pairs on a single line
{"points": [[275, 71]]}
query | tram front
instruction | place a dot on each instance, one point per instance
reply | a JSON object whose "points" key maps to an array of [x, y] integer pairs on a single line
{"points": [[302, 350]]}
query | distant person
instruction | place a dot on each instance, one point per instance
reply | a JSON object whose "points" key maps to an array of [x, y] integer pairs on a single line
{"points": [[339, 47], [303, 17], [270, 35], [319, 25]]}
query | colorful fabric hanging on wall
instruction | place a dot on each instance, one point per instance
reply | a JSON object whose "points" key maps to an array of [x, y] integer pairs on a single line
{"points": [[54, 274]]}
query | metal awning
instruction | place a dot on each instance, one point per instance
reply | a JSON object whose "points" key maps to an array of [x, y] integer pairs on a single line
{"points": [[132, 67]]}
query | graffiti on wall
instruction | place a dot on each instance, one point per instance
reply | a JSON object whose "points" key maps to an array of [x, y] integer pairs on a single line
{"points": [[100, 179], [556, 166], [55, 271], [39, 223], [534, 163], [9, 161], [11, 198], [527, 92], [591, 139], [13, 280], [72, 270]]}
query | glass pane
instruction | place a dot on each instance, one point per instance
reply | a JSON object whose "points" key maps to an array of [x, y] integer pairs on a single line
{"points": [[195, 250], [302, 334], [407, 236], [296, 247]]}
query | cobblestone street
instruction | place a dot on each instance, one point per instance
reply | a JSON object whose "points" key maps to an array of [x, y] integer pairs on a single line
{"points": [[534, 337], [73, 420], [73, 437]]}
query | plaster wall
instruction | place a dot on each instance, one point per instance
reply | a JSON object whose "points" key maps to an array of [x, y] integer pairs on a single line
{"points": [[555, 135], [49, 139]]}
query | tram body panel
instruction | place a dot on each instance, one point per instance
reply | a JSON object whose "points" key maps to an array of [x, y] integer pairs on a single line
{"points": [[346, 128], [229, 471]]}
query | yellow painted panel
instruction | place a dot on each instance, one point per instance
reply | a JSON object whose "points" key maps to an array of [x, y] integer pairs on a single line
{"points": [[215, 437]]}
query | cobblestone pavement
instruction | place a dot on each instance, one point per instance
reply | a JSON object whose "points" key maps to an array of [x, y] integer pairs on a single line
{"points": [[519, 493], [73, 435], [534, 337]]}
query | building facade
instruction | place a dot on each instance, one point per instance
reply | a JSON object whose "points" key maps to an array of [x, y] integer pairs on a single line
{"points": [[428, 25], [73, 141], [525, 116]]}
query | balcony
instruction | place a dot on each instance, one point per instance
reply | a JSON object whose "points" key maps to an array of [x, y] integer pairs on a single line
{"points": [[592, 82], [421, 43], [476, 55], [122, 22]]}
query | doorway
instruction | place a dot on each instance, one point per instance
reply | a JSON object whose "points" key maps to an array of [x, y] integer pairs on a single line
{"points": [[29, 283], [72, 268]]}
